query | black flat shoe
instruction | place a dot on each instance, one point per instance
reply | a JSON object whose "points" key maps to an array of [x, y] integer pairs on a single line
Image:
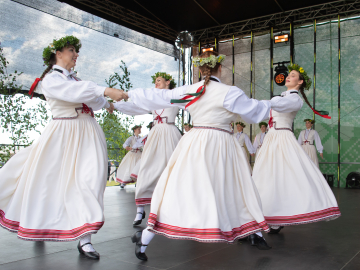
{"points": [[276, 231], [243, 239], [91, 255], [258, 241], [138, 222], [136, 238]]}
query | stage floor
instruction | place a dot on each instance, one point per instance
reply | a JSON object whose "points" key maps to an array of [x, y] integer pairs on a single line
{"points": [[322, 245]]}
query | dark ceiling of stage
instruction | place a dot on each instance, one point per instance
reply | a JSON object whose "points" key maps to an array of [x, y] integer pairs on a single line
{"points": [[188, 14]]}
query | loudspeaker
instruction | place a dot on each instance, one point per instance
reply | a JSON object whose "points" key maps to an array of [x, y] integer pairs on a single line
{"points": [[353, 180]]}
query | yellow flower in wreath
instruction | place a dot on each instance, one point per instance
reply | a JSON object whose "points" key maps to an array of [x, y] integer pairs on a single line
{"points": [[301, 70]]}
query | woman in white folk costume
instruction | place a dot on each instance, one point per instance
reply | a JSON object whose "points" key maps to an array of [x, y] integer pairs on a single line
{"points": [[187, 127], [206, 192], [259, 138], [160, 144], [139, 144], [53, 190], [292, 189], [244, 139], [131, 158], [307, 138]]}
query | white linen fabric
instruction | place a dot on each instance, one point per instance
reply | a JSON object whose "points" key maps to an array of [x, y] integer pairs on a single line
{"points": [[259, 140], [306, 140], [292, 189], [53, 190], [135, 171], [243, 139], [160, 144], [128, 163], [206, 192]]}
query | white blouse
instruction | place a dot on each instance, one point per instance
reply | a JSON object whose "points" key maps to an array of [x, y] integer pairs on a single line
{"points": [[140, 142], [248, 143], [129, 140], [317, 139], [63, 86], [259, 139], [236, 101]]}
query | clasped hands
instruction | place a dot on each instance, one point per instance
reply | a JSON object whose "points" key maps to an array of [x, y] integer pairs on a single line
{"points": [[115, 94]]}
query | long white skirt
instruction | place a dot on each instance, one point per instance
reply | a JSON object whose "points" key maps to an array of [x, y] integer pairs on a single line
{"points": [[206, 192], [135, 171], [311, 151], [247, 158], [160, 145], [126, 166], [53, 190], [292, 189]]}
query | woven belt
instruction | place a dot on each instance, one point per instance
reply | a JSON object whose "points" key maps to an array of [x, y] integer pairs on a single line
{"points": [[214, 128], [136, 150], [307, 143], [274, 126], [74, 117]]}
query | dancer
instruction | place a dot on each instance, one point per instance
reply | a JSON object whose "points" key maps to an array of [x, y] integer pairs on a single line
{"points": [[187, 127], [292, 189], [243, 138], [131, 158], [53, 190], [160, 144], [259, 138], [139, 144], [206, 192], [306, 140]]}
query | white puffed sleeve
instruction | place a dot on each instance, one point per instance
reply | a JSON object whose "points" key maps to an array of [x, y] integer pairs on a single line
{"points": [[129, 108], [289, 103], [99, 103], [256, 142], [54, 86], [139, 143], [154, 99], [319, 145], [249, 145], [127, 142], [301, 136], [251, 110]]}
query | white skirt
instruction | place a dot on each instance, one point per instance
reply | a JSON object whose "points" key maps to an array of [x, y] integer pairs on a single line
{"points": [[135, 171], [206, 192], [53, 190], [311, 151], [247, 158], [126, 166], [292, 189], [160, 145]]}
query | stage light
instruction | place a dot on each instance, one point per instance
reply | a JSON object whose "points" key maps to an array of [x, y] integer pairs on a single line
{"points": [[208, 49], [281, 38], [353, 180], [280, 73]]}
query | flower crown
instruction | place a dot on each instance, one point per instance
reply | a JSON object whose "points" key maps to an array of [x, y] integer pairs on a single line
{"points": [[240, 123], [211, 61], [303, 73], [57, 45], [149, 126], [135, 127], [263, 124], [166, 76], [310, 120]]}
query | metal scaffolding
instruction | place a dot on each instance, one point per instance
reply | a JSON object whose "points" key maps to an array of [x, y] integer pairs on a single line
{"points": [[280, 21]]}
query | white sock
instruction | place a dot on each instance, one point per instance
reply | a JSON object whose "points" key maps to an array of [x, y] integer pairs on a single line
{"points": [[259, 234], [84, 240], [146, 237], [140, 209], [123, 185], [275, 227]]}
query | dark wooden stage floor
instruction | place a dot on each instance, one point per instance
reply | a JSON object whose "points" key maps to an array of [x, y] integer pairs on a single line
{"points": [[322, 245]]}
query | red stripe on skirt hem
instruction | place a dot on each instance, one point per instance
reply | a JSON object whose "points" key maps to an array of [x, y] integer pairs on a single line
{"points": [[123, 182], [49, 234], [133, 175], [143, 201], [208, 235], [329, 213]]}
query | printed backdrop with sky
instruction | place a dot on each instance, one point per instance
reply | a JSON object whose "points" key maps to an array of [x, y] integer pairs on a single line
{"points": [[26, 31]]}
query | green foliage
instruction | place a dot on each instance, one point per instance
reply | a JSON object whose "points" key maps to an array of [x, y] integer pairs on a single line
{"points": [[117, 126], [14, 118]]}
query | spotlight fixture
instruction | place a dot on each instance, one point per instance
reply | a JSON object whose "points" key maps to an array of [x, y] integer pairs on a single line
{"points": [[281, 38], [281, 73], [207, 49]]}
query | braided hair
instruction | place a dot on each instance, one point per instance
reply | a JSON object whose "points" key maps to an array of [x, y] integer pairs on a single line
{"points": [[207, 71]]}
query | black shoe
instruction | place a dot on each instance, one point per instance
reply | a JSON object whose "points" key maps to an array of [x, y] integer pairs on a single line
{"points": [[258, 241], [276, 231], [91, 255], [136, 238], [243, 239], [122, 186], [138, 222]]}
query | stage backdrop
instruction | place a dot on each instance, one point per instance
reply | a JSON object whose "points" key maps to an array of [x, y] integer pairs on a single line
{"points": [[327, 84]]}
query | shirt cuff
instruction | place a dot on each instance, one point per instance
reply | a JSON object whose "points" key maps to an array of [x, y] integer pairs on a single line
{"points": [[107, 105], [100, 91]]}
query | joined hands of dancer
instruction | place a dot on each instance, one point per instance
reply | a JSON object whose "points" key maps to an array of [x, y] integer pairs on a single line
{"points": [[115, 94]]}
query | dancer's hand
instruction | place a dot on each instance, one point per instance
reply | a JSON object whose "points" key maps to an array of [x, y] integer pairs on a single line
{"points": [[115, 94], [128, 148], [253, 155], [321, 155], [111, 108]]}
